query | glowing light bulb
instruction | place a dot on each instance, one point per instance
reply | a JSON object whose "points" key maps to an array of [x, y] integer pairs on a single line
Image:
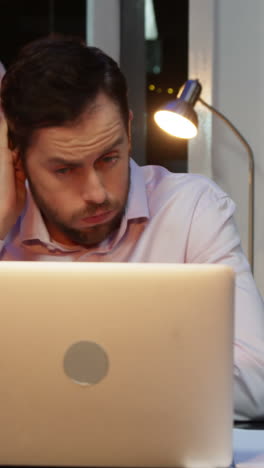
{"points": [[175, 124]]}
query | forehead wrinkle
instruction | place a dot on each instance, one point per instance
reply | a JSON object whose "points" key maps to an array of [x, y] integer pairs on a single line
{"points": [[102, 139], [75, 156]]}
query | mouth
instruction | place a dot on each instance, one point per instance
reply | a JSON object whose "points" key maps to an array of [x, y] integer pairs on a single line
{"points": [[99, 218]]}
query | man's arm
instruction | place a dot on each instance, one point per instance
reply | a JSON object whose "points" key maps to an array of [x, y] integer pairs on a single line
{"points": [[12, 183], [214, 239]]}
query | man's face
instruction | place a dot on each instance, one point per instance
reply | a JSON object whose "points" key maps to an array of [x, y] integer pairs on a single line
{"points": [[79, 175]]}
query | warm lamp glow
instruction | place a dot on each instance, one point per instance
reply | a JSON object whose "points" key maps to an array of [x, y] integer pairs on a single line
{"points": [[175, 124]]}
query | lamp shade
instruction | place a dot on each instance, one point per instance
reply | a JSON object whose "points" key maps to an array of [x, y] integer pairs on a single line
{"points": [[178, 117]]}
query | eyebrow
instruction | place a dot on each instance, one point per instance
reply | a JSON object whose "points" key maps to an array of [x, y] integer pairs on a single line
{"points": [[62, 160]]}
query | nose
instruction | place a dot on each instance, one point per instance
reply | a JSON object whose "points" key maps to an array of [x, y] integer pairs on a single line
{"points": [[93, 189]]}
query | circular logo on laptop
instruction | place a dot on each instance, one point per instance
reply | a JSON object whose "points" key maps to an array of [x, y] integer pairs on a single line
{"points": [[86, 363]]}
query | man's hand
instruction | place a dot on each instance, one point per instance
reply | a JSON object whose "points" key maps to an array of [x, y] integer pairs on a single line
{"points": [[12, 183]]}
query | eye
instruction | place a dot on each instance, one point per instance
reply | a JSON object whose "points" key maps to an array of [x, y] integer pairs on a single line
{"points": [[109, 159], [63, 170]]}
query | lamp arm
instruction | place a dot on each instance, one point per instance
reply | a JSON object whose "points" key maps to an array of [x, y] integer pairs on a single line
{"points": [[251, 180]]}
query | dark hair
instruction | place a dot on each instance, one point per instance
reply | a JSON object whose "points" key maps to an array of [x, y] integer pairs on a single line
{"points": [[52, 81]]}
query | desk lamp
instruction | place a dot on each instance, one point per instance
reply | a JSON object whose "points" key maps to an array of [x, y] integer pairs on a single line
{"points": [[179, 119]]}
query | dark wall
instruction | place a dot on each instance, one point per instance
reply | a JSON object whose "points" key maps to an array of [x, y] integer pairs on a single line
{"points": [[24, 20], [133, 65], [170, 54]]}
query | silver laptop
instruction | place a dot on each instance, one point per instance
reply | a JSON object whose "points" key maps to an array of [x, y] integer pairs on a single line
{"points": [[116, 364]]}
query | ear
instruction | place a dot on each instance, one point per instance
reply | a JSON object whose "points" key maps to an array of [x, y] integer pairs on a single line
{"points": [[18, 165], [16, 157]]}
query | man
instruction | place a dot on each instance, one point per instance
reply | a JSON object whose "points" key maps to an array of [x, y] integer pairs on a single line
{"points": [[69, 191]]}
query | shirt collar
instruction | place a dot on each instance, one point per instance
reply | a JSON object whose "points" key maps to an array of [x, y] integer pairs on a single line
{"points": [[33, 228], [137, 205], [32, 224]]}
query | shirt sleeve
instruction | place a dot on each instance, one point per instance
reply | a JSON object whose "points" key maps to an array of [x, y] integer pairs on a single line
{"points": [[214, 238]]}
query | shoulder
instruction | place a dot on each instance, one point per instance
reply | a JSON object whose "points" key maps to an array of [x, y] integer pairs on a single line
{"points": [[161, 182]]}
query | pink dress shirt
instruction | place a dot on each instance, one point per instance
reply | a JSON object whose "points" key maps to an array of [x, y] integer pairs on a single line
{"points": [[175, 218]]}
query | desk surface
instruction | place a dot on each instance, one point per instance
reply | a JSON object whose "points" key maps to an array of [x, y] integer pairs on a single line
{"points": [[249, 447]]}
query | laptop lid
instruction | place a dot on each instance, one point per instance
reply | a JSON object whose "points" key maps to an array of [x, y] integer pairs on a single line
{"points": [[108, 364]]}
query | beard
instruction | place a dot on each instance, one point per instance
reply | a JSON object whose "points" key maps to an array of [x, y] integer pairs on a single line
{"points": [[87, 236]]}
